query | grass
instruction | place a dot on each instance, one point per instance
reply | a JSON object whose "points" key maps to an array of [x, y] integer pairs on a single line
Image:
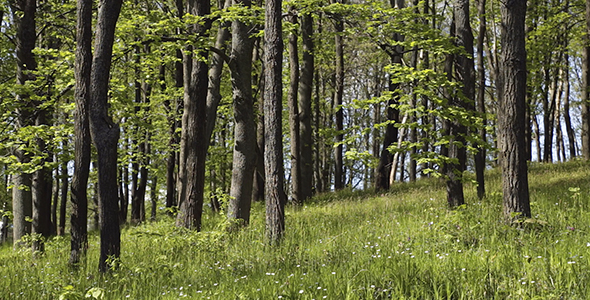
{"points": [[404, 244]]}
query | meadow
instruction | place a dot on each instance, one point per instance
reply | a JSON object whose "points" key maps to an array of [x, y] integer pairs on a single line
{"points": [[404, 244]]}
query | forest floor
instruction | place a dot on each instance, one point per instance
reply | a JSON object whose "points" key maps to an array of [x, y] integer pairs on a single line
{"points": [[404, 244]]}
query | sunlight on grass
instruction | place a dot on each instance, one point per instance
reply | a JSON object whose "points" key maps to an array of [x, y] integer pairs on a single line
{"points": [[404, 244]]}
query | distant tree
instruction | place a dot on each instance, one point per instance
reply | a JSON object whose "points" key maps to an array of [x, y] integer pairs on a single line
{"points": [[273, 147], [511, 111]]}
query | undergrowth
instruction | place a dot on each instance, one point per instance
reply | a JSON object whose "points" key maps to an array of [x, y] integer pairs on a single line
{"points": [[404, 244]]}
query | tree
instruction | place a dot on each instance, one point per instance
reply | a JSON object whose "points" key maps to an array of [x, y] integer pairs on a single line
{"points": [[24, 18], [105, 133], [193, 147], [511, 111], [305, 109], [339, 174], [586, 87], [244, 157], [294, 125], [480, 155], [273, 151], [82, 140]]}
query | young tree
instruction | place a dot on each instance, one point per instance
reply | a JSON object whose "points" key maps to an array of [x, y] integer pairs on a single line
{"points": [[511, 111], [105, 133], [294, 125], [339, 175], [273, 147]]}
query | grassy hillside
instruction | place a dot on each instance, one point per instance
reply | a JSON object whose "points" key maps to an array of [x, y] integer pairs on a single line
{"points": [[402, 245]]}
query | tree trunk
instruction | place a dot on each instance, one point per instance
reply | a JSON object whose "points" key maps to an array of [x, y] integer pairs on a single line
{"points": [[273, 147], [61, 224], [294, 125], [24, 20], [305, 109], [480, 155], [105, 133], [193, 144], [154, 197], [585, 135], [511, 111], [339, 175], [82, 141], [571, 137], [42, 186], [244, 157]]}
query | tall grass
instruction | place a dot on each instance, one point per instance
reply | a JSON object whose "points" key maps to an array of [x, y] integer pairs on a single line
{"points": [[404, 244]]}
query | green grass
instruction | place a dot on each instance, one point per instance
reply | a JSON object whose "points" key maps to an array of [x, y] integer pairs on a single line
{"points": [[404, 244]]}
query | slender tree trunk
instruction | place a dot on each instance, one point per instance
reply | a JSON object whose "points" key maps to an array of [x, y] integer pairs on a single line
{"points": [[273, 147], [480, 155], [585, 135], [82, 142], [511, 111], [339, 175], [571, 137], [154, 197], [305, 107], [61, 227], [105, 133], [294, 125]]}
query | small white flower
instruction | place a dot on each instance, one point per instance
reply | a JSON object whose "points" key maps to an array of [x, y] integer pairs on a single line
{"points": [[300, 291]]}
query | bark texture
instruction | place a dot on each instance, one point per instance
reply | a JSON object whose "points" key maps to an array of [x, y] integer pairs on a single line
{"points": [[273, 147], [511, 111], [193, 144], [305, 108]]}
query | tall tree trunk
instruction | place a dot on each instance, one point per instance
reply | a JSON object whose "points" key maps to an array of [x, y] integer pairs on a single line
{"points": [[585, 135], [294, 125], [105, 133], [82, 141], [305, 108], [511, 111], [339, 175], [273, 146], [244, 157], [193, 146], [24, 19], [480, 155]]}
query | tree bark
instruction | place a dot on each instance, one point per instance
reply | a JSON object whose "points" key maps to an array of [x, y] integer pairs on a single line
{"points": [[273, 147], [305, 107], [24, 20], [571, 136], [480, 155], [294, 124], [105, 134], [82, 141], [193, 144], [585, 135], [339, 175], [244, 155], [511, 111]]}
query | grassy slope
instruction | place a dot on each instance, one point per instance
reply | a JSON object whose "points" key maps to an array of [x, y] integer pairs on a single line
{"points": [[402, 245]]}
